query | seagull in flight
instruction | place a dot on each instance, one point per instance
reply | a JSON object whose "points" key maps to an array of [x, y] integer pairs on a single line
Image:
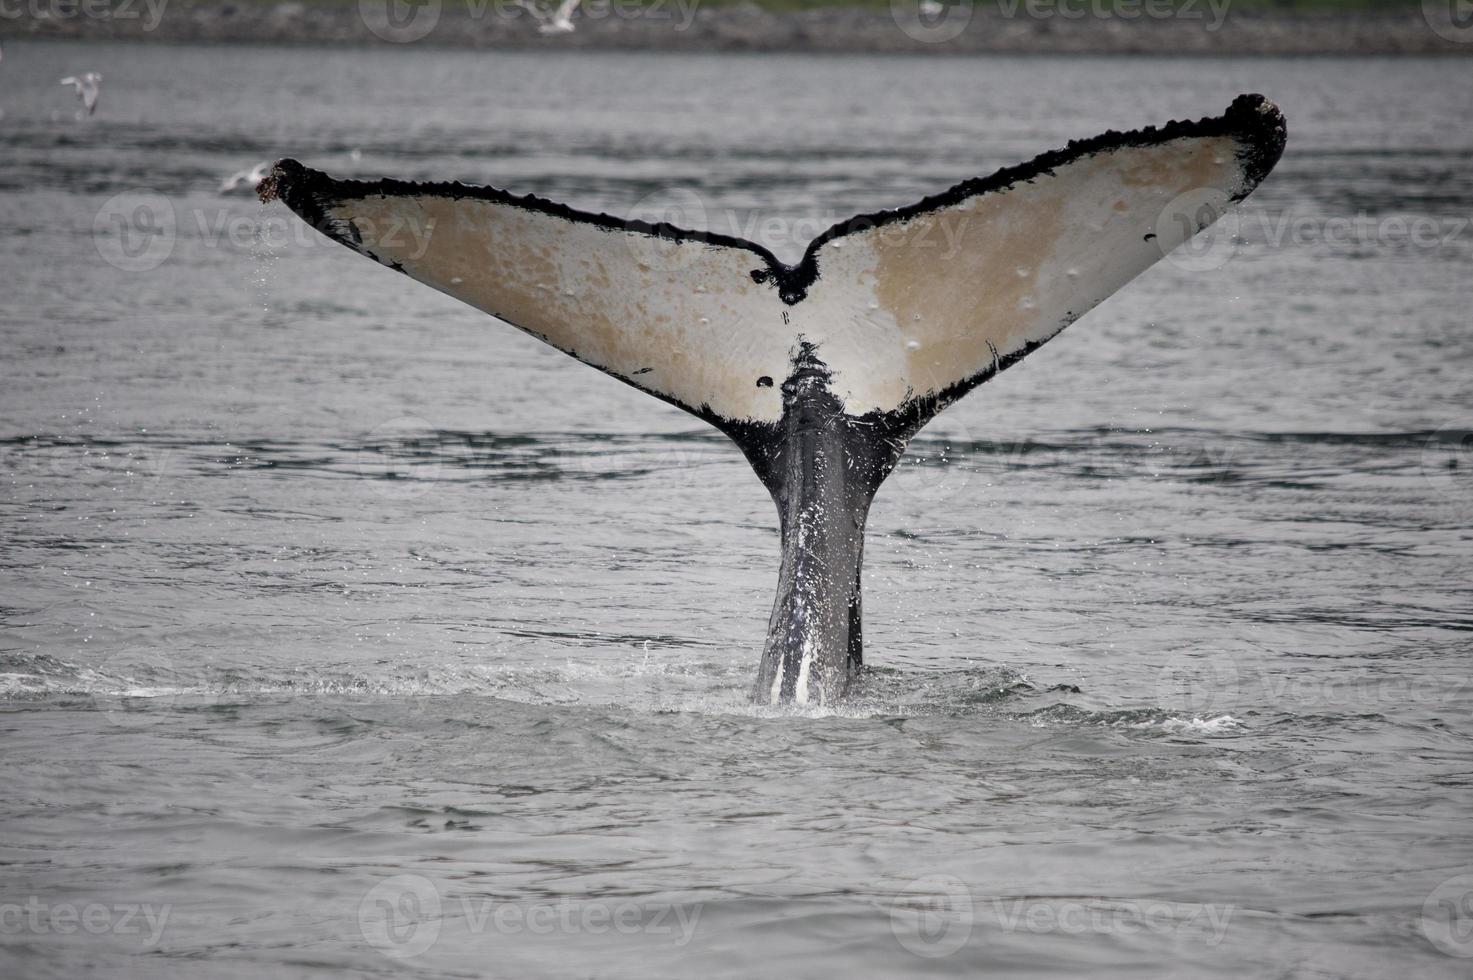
{"points": [[250, 178], [88, 86], [560, 21]]}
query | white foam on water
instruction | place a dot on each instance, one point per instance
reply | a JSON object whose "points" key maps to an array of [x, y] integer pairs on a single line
{"points": [[1196, 726], [704, 687]]}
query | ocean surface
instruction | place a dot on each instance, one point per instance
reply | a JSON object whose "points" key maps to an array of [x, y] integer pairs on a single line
{"points": [[347, 632]]}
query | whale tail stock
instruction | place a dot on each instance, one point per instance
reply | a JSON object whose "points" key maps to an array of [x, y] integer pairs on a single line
{"points": [[820, 371]]}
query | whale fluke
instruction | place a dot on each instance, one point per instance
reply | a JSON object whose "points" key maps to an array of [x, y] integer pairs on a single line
{"points": [[820, 371]]}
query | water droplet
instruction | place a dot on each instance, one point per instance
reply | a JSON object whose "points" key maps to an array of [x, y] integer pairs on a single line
{"points": [[915, 316], [1072, 273], [1022, 271], [456, 280], [874, 306], [705, 319], [912, 345]]}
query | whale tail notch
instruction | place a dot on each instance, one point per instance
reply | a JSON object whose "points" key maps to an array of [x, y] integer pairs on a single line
{"points": [[819, 371]]}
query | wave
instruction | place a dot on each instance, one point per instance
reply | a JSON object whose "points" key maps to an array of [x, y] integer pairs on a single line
{"points": [[142, 684]]}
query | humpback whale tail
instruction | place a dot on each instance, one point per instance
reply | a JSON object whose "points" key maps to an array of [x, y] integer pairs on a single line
{"points": [[820, 371]]}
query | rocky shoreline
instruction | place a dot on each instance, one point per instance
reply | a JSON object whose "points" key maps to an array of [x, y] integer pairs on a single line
{"points": [[1024, 26]]}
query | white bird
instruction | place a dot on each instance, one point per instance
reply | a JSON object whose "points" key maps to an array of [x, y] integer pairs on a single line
{"points": [[560, 21], [250, 178], [88, 86]]}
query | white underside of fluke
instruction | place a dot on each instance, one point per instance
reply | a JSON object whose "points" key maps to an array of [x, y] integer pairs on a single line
{"points": [[899, 310]]}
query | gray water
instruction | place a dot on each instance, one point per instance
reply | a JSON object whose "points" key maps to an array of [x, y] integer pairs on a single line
{"points": [[347, 632]]}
